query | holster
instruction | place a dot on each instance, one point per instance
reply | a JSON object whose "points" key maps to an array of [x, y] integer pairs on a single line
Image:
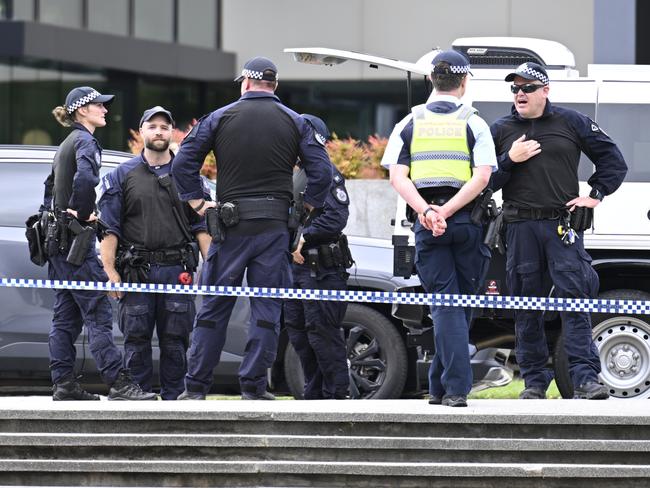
{"points": [[480, 213], [216, 228], [582, 218], [190, 256], [131, 267], [35, 234], [83, 237]]}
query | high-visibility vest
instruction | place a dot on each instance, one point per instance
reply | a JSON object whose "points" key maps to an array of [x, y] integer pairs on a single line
{"points": [[440, 154]]}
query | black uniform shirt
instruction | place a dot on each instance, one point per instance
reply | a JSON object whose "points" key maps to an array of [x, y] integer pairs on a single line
{"points": [[550, 179], [138, 209]]}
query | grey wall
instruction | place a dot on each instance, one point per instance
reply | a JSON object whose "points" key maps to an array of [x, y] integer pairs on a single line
{"points": [[403, 29], [615, 31]]}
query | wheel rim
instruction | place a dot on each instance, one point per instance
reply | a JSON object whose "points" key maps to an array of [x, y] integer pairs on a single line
{"points": [[624, 348], [366, 363]]}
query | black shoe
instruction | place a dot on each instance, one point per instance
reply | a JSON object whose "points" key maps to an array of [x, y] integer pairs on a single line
{"points": [[532, 393], [191, 395], [591, 391], [71, 390], [435, 400], [454, 401], [125, 388], [245, 395]]}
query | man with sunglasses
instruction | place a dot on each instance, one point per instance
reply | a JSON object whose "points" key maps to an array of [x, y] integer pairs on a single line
{"points": [[538, 147]]}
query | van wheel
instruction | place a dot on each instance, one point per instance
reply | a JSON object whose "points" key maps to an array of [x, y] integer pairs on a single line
{"points": [[377, 360], [623, 343]]}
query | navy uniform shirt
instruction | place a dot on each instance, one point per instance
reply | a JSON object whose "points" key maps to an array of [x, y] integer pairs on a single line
{"points": [[550, 179], [325, 225], [256, 141], [75, 174], [138, 210]]}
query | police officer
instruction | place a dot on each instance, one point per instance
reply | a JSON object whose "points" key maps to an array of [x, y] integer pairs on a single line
{"points": [[70, 199], [154, 236], [319, 262], [446, 160], [539, 148], [256, 141]]}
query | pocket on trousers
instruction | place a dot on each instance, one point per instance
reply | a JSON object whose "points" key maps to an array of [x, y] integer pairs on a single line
{"points": [[135, 320], [180, 316], [572, 278]]}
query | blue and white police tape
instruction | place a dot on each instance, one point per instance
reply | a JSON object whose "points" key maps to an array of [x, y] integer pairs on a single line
{"points": [[635, 307]]}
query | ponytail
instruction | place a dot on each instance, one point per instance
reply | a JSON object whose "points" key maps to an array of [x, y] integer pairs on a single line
{"points": [[62, 116]]}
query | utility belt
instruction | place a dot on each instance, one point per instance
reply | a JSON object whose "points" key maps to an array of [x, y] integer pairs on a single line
{"points": [[329, 256], [579, 220], [133, 264], [229, 214], [53, 233]]}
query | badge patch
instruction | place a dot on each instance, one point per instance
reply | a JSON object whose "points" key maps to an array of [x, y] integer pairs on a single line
{"points": [[319, 138], [104, 186], [98, 159], [341, 195], [596, 128]]}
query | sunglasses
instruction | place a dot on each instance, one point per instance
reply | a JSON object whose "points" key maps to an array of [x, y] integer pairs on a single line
{"points": [[527, 88]]}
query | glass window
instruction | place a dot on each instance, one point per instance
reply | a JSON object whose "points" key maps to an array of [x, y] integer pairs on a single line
{"points": [[65, 13], [21, 10], [629, 126], [21, 187], [197, 23], [109, 17], [154, 20]]}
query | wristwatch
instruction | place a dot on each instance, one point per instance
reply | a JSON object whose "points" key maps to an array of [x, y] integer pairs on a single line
{"points": [[424, 214], [199, 206], [596, 193]]}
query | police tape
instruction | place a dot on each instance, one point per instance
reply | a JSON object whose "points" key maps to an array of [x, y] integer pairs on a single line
{"points": [[635, 307]]}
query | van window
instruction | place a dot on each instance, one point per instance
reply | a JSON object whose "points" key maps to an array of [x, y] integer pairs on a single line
{"points": [[629, 126], [21, 187]]}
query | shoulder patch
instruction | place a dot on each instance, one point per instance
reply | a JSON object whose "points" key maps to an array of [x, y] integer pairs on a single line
{"points": [[192, 134], [341, 195], [104, 186], [98, 159], [596, 128]]}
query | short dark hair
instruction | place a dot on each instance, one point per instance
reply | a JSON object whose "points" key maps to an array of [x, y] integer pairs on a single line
{"points": [[446, 81]]}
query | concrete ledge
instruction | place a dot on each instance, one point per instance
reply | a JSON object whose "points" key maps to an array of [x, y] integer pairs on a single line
{"points": [[437, 470], [512, 412], [338, 442]]}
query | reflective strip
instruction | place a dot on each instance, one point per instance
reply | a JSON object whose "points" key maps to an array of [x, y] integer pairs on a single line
{"points": [[434, 155]]}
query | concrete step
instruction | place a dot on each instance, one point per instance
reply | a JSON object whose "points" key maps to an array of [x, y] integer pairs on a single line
{"points": [[306, 473], [324, 448]]}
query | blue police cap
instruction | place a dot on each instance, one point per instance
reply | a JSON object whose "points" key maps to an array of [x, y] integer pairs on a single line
{"points": [[148, 114], [458, 64], [321, 130], [529, 71], [259, 68], [83, 95]]}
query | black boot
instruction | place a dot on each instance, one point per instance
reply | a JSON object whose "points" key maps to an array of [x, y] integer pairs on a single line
{"points": [[125, 388], [71, 390]]}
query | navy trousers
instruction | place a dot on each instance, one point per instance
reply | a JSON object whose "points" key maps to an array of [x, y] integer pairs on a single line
{"points": [[171, 316], [265, 259], [314, 328], [75, 308], [536, 250], [455, 262]]}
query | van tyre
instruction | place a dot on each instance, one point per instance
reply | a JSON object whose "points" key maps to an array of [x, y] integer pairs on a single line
{"points": [[376, 353], [623, 343]]}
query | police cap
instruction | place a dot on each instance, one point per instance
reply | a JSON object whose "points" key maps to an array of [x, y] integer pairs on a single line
{"points": [[149, 113], [529, 71], [259, 68], [458, 63], [83, 95]]}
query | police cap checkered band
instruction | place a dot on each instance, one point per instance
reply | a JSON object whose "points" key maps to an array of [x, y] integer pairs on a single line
{"points": [[83, 95], [457, 63], [529, 71], [259, 68]]}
